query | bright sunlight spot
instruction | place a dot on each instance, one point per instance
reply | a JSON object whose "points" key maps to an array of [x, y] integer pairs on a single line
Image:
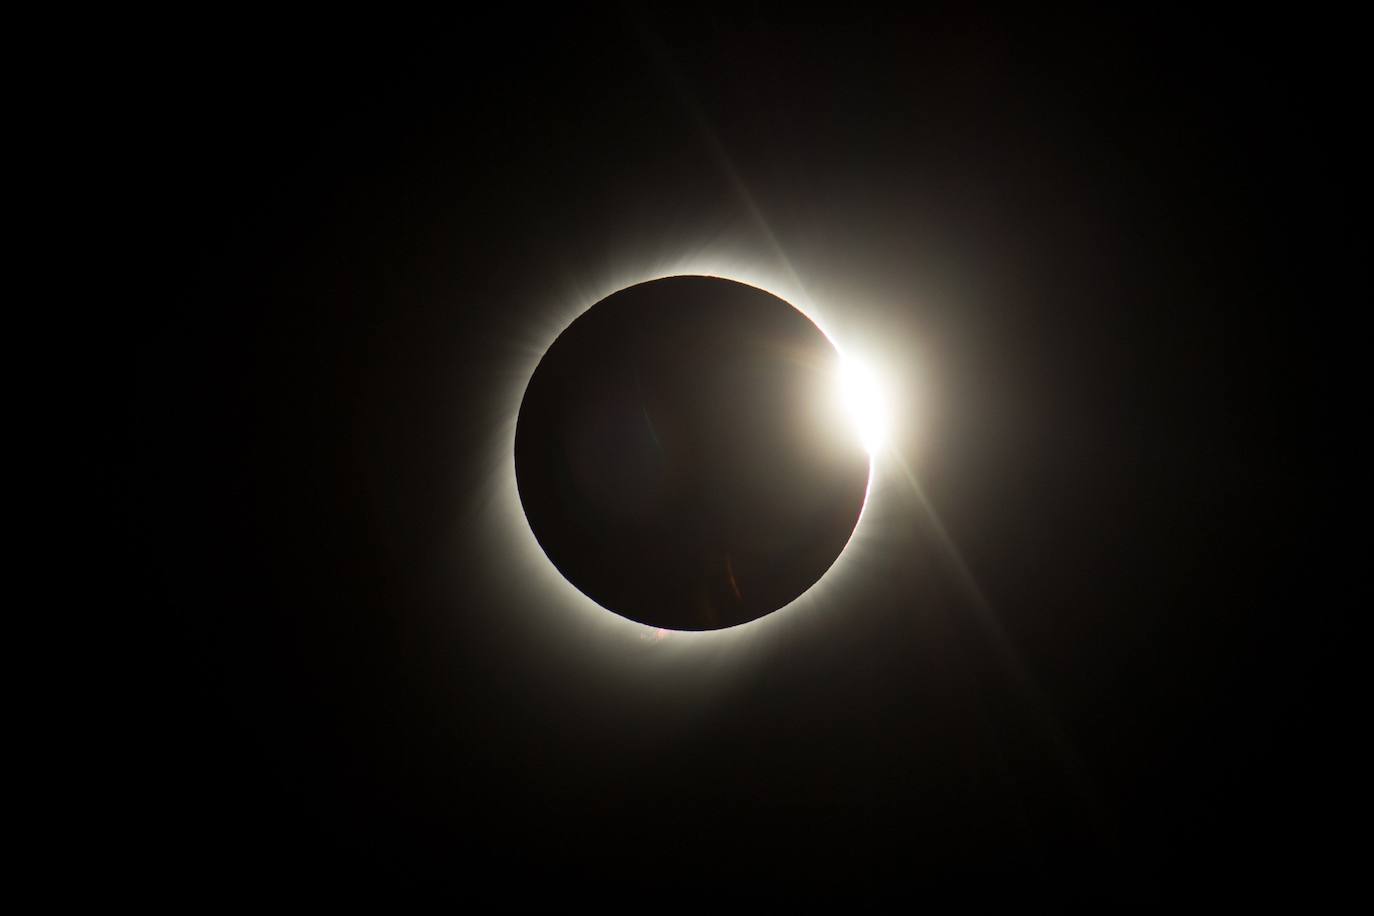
{"points": [[864, 403]]}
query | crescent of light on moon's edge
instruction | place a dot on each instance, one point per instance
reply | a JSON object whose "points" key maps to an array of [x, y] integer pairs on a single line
{"points": [[555, 596]]}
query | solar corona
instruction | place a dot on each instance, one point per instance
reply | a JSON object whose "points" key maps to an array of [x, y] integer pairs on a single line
{"points": [[693, 453]]}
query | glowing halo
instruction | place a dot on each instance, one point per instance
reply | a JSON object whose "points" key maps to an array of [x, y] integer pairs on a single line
{"points": [[583, 617]]}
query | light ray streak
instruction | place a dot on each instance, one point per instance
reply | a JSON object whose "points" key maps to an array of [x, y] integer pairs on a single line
{"points": [[986, 618], [659, 52]]}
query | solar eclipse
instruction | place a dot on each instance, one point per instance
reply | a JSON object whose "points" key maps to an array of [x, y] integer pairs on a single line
{"points": [[630, 448], [692, 453]]}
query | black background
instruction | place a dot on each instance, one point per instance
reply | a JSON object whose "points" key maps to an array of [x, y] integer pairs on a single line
{"points": [[1087, 233]]}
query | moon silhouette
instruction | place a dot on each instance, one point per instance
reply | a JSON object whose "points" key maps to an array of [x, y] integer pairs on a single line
{"points": [[681, 455]]}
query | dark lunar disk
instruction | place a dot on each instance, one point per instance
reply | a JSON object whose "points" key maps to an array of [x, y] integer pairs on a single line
{"points": [[682, 458]]}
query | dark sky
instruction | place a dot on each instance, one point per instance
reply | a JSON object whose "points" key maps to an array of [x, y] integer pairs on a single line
{"points": [[1083, 236]]}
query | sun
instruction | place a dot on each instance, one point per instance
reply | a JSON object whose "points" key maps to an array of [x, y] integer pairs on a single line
{"points": [[859, 409], [863, 402]]}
